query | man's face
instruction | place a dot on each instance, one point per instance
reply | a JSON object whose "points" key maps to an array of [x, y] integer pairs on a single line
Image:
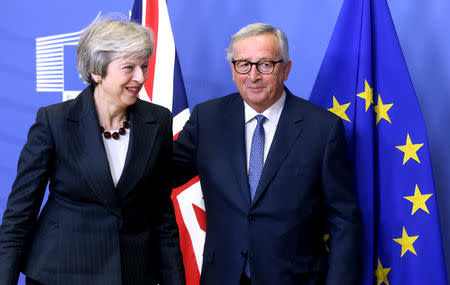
{"points": [[258, 90]]}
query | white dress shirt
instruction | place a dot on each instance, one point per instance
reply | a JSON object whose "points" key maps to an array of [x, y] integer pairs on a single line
{"points": [[116, 151], [272, 115]]}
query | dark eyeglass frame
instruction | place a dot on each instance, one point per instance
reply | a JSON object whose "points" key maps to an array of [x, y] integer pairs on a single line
{"points": [[256, 64]]}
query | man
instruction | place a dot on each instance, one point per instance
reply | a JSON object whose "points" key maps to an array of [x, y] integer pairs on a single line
{"points": [[274, 176]]}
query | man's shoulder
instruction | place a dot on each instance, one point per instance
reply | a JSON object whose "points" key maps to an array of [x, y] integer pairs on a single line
{"points": [[224, 103], [309, 109]]}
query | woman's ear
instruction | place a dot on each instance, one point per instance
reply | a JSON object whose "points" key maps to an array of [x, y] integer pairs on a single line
{"points": [[97, 78]]}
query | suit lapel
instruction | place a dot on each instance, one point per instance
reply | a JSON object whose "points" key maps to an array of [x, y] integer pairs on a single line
{"points": [[235, 133], [143, 135], [288, 130], [88, 149]]}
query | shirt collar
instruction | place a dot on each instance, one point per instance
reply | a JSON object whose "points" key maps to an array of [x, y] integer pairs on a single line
{"points": [[272, 113]]}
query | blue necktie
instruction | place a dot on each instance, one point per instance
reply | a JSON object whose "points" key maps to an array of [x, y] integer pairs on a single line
{"points": [[256, 156], [256, 164]]}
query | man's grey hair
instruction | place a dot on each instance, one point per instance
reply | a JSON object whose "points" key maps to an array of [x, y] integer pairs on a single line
{"points": [[108, 39], [258, 29]]}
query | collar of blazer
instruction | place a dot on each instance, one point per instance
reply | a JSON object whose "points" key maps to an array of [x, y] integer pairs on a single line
{"points": [[89, 151], [287, 133], [83, 105]]}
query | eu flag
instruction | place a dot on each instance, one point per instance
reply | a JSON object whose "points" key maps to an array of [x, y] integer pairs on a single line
{"points": [[364, 80]]}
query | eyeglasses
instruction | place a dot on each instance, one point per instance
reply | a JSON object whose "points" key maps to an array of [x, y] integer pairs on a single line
{"points": [[263, 66]]}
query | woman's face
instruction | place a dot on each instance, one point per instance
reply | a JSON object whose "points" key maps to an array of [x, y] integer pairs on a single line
{"points": [[124, 78]]}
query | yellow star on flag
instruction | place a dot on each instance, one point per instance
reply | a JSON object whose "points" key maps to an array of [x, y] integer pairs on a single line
{"points": [[418, 200], [325, 239], [410, 150], [340, 109], [381, 110], [406, 242], [381, 274], [367, 94]]}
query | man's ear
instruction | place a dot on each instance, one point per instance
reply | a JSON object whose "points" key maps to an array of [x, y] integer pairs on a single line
{"points": [[287, 68], [232, 71]]}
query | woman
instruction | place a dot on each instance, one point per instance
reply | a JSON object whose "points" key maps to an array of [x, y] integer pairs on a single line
{"points": [[108, 218]]}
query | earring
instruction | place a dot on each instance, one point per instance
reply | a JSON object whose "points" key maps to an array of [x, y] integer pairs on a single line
{"points": [[99, 81]]}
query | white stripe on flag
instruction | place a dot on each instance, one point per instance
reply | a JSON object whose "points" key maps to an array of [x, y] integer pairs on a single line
{"points": [[179, 120], [186, 199], [144, 11], [143, 94], [165, 60]]}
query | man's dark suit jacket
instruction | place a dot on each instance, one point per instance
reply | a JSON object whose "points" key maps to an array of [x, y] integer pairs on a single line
{"points": [[305, 187], [90, 232]]}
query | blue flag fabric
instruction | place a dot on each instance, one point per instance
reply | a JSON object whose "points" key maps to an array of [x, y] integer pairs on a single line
{"points": [[364, 80]]}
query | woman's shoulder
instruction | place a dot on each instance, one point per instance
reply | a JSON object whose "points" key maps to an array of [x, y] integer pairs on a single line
{"points": [[57, 109], [83, 100]]}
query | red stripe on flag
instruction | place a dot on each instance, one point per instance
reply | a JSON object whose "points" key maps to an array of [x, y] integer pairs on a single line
{"points": [[151, 20], [175, 136], [200, 214], [189, 260]]}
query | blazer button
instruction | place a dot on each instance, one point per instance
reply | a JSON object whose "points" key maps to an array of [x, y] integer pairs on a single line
{"points": [[251, 218]]}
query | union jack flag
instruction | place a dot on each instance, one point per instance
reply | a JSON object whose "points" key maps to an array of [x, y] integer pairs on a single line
{"points": [[165, 87]]}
